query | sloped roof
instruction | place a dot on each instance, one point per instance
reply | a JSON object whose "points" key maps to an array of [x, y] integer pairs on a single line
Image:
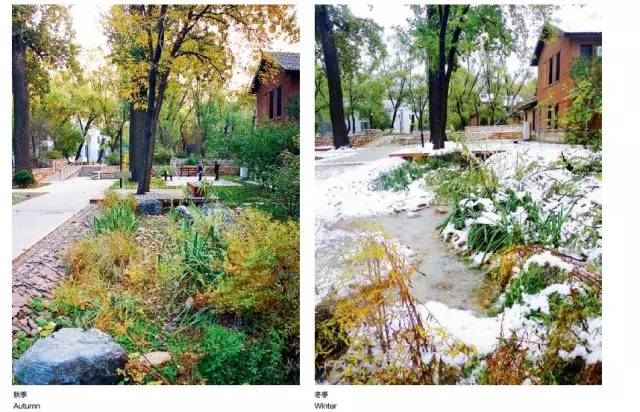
{"points": [[562, 29], [285, 60]]}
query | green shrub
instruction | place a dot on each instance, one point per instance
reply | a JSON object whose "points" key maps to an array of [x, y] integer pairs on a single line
{"points": [[286, 185], [400, 177], [231, 358], [198, 256], [586, 106], [531, 281], [113, 158], [23, 178], [191, 160], [116, 217], [53, 154], [162, 156]]}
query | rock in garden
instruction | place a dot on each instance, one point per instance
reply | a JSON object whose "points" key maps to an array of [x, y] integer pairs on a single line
{"points": [[441, 210], [156, 359], [209, 209], [184, 213], [71, 356], [150, 207]]}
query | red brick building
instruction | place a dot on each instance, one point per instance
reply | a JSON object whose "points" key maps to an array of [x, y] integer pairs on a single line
{"points": [[554, 54], [275, 84]]}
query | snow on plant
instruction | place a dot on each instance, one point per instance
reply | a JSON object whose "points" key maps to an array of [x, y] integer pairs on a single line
{"points": [[545, 197], [388, 337]]}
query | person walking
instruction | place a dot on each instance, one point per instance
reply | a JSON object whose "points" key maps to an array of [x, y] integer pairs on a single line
{"points": [[216, 169], [199, 170]]}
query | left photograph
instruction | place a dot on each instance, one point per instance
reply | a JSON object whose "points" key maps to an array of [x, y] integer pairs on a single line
{"points": [[155, 199]]}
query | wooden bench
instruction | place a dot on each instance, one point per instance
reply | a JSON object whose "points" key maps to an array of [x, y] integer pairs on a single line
{"points": [[188, 170]]}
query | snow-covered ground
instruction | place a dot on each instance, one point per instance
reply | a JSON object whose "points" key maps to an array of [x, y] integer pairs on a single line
{"points": [[525, 168], [349, 194]]}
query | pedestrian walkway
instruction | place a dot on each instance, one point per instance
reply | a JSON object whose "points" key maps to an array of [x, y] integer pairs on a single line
{"points": [[33, 219]]}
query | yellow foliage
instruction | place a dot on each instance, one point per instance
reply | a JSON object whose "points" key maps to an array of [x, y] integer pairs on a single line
{"points": [[378, 328], [262, 268]]}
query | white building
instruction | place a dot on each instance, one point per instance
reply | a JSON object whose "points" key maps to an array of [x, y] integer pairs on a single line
{"points": [[402, 124], [91, 147], [404, 117]]}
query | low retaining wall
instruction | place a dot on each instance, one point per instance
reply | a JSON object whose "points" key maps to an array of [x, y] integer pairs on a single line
{"points": [[356, 140], [498, 132], [549, 136], [41, 173]]}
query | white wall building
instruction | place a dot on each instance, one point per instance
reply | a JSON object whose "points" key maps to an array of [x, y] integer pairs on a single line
{"points": [[402, 123], [91, 148], [404, 117]]}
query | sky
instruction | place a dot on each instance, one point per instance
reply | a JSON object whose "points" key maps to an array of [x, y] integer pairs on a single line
{"points": [[575, 17], [87, 23]]}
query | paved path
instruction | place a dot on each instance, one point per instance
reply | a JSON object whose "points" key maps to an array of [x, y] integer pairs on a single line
{"points": [[33, 219]]}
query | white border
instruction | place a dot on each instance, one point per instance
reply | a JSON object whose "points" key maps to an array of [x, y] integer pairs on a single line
{"points": [[621, 274]]}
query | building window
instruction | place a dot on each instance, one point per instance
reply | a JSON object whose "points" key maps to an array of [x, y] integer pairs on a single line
{"points": [[556, 116], [599, 51], [279, 101], [558, 66], [271, 104], [551, 70], [549, 117], [586, 50]]}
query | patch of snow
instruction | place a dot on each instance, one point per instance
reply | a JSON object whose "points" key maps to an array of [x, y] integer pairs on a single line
{"points": [[547, 258], [349, 194]]}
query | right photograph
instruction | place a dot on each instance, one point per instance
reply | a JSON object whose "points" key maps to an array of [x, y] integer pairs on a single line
{"points": [[458, 184]]}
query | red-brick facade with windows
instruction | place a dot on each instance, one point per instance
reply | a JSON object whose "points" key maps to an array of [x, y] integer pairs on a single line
{"points": [[274, 84], [554, 54]]}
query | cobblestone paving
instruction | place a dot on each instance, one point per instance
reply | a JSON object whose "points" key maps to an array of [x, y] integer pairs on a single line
{"points": [[39, 270]]}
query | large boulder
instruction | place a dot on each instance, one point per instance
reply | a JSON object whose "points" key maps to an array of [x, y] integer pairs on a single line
{"points": [[150, 207], [71, 356]]}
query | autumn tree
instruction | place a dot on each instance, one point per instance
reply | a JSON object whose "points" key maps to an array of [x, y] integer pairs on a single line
{"points": [[41, 39], [170, 38]]}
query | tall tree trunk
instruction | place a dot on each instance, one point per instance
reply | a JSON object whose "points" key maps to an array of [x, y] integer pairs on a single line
{"points": [[151, 119], [85, 131], [101, 151], [21, 124], [136, 134], [436, 108], [396, 106], [336, 102]]}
